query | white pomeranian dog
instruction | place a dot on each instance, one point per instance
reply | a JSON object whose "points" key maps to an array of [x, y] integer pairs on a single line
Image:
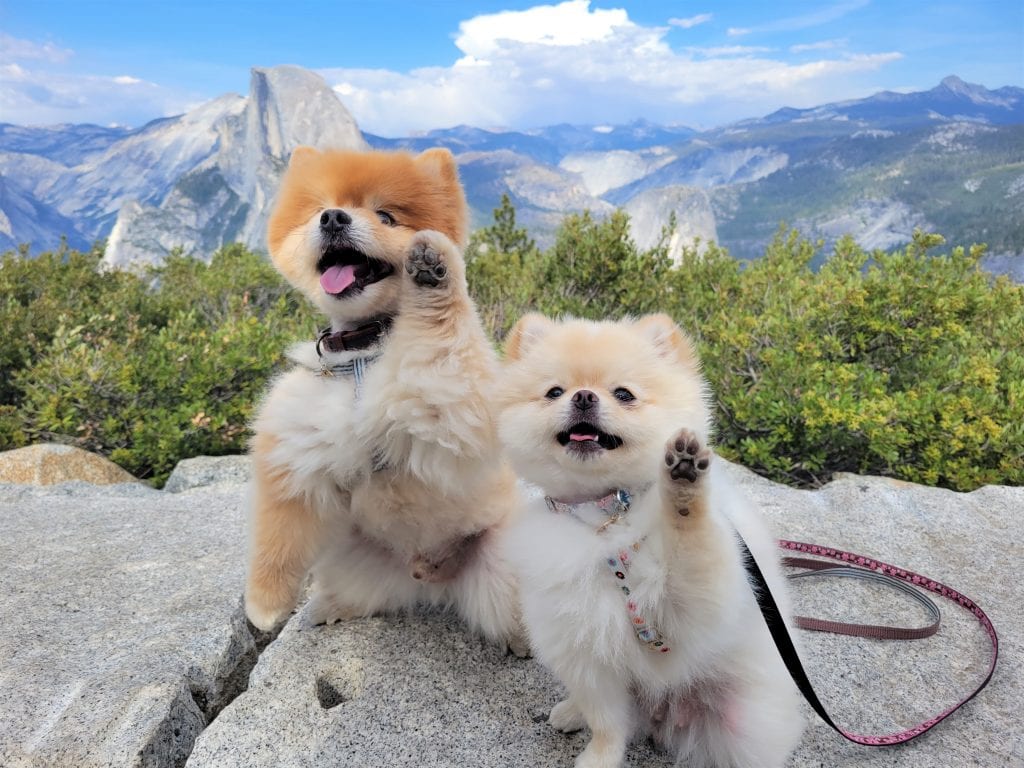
{"points": [[633, 584]]}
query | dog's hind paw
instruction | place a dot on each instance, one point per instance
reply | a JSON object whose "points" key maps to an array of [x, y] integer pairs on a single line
{"points": [[565, 717], [519, 646], [325, 608]]}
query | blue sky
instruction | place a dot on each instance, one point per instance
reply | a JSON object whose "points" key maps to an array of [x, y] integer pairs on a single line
{"points": [[403, 67]]}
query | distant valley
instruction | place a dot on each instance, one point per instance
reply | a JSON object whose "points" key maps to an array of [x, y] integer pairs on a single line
{"points": [[949, 160]]}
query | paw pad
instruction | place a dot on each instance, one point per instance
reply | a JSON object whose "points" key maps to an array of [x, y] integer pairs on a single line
{"points": [[426, 266], [686, 457]]}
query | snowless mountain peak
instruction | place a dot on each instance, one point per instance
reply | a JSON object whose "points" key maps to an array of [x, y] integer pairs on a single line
{"points": [[290, 106], [209, 177], [978, 94], [954, 83], [226, 196]]}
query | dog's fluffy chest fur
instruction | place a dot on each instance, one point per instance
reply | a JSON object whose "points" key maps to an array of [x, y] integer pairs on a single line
{"points": [[344, 443], [577, 611], [314, 417], [573, 598]]}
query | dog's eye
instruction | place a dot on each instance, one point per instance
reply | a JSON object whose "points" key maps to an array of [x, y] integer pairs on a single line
{"points": [[386, 218], [623, 395], [554, 393]]}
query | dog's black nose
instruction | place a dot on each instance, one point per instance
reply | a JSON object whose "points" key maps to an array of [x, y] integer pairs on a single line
{"points": [[584, 400], [334, 220]]}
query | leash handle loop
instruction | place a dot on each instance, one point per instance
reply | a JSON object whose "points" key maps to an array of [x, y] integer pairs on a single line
{"points": [[817, 568], [777, 628]]}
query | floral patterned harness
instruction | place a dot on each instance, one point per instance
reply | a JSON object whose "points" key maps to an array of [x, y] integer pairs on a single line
{"points": [[615, 505]]}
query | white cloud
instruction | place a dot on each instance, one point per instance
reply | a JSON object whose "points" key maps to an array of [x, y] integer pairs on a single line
{"points": [[15, 49], [738, 31], [571, 63], [13, 71], [822, 45], [35, 89], [571, 23], [692, 21], [781, 78], [730, 50]]}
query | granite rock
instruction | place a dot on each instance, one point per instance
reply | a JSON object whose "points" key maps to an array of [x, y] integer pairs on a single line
{"points": [[419, 691], [206, 471], [125, 639], [962, 540], [49, 463], [123, 629]]}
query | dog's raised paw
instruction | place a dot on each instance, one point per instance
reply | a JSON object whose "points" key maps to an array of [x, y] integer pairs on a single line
{"points": [[426, 265], [686, 457]]}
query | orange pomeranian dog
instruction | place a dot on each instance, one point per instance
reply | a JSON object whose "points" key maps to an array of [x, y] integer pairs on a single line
{"points": [[374, 456]]}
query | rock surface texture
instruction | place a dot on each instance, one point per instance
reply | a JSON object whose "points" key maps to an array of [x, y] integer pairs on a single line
{"points": [[125, 639]]}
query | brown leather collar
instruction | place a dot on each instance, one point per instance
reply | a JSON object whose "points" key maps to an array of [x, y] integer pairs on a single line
{"points": [[366, 335]]}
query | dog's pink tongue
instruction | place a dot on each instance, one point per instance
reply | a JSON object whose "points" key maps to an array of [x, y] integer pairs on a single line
{"points": [[336, 279], [581, 438]]}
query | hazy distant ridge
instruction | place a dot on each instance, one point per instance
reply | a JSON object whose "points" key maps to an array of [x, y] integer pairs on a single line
{"points": [[949, 159]]}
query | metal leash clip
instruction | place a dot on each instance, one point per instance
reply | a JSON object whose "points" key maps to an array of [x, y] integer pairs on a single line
{"points": [[623, 498]]}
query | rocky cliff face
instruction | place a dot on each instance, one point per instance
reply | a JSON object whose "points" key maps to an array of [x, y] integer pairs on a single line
{"points": [[196, 181], [946, 159], [223, 193], [652, 210]]}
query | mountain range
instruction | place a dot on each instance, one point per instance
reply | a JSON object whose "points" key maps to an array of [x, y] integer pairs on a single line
{"points": [[950, 160]]}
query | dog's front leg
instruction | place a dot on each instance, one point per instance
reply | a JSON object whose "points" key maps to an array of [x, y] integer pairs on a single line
{"points": [[699, 539], [606, 705], [436, 296], [437, 394], [684, 483], [283, 539]]}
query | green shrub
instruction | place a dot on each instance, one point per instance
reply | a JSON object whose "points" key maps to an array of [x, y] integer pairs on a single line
{"points": [[493, 255], [903, 364], [38, 295], [149, 368], [596, 270], [593, 270], [906, 364]]}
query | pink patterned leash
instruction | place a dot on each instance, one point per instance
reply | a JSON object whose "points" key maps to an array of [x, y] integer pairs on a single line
{"points": [[777, 627]]}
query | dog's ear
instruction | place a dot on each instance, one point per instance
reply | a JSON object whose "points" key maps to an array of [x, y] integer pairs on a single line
{"points": [[439, 163], [668, 338], [300, 155], [441, 171], [525, 334]]}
